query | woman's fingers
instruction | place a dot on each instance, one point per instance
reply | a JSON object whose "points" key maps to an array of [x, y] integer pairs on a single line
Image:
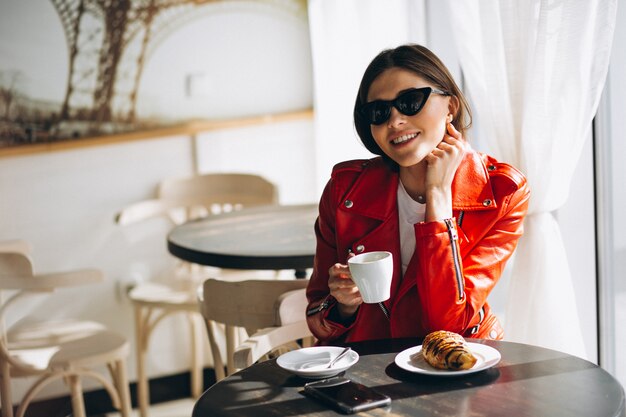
{"points": [[341, 283], [455, 138], [453, 149], [452, 144], [444, 160], [341, 286], [348, 297], [445, 149], [453, 132], [340, 271]]}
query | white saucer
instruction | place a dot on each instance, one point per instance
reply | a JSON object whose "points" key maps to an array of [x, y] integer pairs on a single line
{"points": [[412, 360], [311, 362]]}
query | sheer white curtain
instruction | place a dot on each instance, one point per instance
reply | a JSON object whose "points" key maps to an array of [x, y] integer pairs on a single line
{"points": [[345, 36], [535, 70]]}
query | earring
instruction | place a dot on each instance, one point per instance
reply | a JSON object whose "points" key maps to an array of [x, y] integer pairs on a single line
{"points": [[449, 118]]}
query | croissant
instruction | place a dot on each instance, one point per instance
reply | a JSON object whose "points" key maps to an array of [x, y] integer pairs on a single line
{"points": [[447, 350]]}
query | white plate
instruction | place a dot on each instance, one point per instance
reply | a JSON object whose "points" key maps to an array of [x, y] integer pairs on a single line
{"points": [[412, 360], [311, 362]]}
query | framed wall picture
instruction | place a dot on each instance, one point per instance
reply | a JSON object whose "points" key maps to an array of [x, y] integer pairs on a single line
{"points": [[78, 69]]}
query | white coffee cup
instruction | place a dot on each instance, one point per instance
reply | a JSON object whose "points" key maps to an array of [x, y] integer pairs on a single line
{"points": [[372, 273]]}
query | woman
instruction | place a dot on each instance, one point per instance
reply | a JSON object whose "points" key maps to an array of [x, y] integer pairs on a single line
{"points": [[450, 216]]}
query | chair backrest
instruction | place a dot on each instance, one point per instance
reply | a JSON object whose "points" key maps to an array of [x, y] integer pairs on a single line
{"points": [[252, 304], [17, 274], [291, 306], [13, 267], [183, 199], [14, 264], [15, 246], [220, 189]]}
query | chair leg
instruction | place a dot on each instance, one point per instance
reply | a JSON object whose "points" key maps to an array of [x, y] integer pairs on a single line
{"points": [[141, 340], [5, 390], [218, 364], [308, 341], [231, 342], [123, 388], [197, 380], [78, 404]]}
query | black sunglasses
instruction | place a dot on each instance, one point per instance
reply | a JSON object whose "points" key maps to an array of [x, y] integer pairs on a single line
{"points": [[408, 103]]}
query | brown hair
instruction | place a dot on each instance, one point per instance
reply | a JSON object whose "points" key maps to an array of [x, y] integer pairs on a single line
{"points": [[425, 64]]}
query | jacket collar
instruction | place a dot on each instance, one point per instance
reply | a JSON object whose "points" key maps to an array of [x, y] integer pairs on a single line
{"points": [[471, 186], [373, 194]]}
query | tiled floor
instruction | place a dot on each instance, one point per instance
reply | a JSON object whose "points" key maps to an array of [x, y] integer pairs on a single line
{"points": [[178, 408]]}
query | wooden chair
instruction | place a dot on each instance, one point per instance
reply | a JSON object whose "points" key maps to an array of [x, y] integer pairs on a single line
{"points": [[272, 310], [54, 350], [181, 200]]}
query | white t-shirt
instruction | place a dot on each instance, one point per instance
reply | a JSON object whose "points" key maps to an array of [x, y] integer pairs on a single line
{"points": [[410, 212]]}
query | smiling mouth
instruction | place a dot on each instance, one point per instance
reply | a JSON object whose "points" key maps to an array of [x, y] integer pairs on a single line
{"points": [[404, 138]]}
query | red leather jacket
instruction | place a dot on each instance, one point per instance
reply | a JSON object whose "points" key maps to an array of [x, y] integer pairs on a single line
{"points": [[456, 262]]}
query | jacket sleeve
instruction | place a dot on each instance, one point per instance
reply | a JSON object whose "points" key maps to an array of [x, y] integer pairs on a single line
{"points": [[453, 287], [320, 302]]}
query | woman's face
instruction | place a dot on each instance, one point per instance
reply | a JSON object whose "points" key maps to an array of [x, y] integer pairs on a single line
{"points": [[408, 139]]}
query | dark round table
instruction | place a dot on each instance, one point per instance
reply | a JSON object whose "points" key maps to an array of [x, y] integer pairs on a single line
{"points": [[268, 237], [529, 381]]}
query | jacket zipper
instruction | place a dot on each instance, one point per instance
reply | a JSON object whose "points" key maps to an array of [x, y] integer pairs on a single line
{"points": [[455, 257], [323, 306], [386, 312]]}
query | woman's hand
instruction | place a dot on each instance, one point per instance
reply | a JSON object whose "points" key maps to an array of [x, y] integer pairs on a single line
{"points": [[442, 164], [444, 160], [344, 290]]}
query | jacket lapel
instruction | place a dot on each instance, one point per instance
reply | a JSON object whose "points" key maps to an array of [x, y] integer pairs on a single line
{"points": [[471, 187], [373, 194]]}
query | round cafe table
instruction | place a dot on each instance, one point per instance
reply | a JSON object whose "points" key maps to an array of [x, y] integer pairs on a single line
{"points": [[528, 381], [267, 237]]}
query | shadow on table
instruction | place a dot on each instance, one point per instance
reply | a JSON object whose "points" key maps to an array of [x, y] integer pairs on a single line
{"points": [[268, 393], [419, 384]]}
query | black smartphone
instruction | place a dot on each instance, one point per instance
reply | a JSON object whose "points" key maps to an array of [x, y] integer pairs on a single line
{"points": [[345, 395]]}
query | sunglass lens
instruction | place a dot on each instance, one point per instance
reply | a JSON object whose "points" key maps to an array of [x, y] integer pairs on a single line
{"points": [[376, 112], [411, 103]]}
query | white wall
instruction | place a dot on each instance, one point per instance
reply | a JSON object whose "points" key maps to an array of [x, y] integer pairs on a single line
{"points": [[284, 155]]}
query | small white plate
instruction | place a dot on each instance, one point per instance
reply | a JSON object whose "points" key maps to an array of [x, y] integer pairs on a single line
{"points": [[412, 360], [311, 362]]}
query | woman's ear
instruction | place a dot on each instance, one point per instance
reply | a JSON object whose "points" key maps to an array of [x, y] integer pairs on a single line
{"points": [[453, 107]]}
